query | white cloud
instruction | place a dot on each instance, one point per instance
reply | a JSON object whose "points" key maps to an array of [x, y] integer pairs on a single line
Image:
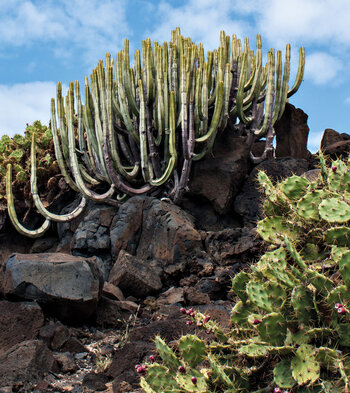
{"points": [[24, 103], [322, 25], [322, 68], [74, 26], [201, 20], [315, 21]]}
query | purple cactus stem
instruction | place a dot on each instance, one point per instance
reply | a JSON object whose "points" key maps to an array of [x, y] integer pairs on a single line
{"points": [[341, 310], [182, 369], [190, 311], [256, 321], [277, 390], [152, 358], [183, 310], [194, 380], [337, 305], [334, 168], [206, 319], [189, 323]]}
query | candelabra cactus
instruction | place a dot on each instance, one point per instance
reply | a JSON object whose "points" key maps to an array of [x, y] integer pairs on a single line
{"points": [[291, 323], [141, 127]]}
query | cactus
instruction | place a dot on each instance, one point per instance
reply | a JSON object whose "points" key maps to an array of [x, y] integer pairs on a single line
{"points": [[143, 126], [291, 318], [16, 152]]}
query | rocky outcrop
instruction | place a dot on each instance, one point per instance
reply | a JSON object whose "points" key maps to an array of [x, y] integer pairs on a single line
{"points": [[292, 133], [220, 175], [69, 286], [334, 143]]}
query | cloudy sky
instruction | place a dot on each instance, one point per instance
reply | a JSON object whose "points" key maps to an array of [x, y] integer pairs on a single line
{"points": [[42, 42]]}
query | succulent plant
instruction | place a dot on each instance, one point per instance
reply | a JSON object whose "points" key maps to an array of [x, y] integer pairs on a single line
{"points": [[142, 127], [291, 326], [16, 152]]}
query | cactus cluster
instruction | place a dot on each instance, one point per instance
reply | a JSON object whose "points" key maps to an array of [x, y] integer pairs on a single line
{"points": [[141, 127], [291, 321], [15, 152]]}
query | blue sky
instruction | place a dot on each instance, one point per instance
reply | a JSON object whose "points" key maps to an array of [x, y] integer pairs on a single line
{"points": [[42, 42]]}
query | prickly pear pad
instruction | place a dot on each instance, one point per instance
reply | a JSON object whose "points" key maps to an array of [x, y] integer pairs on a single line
{"points": [[282, 374], [305, 367]]}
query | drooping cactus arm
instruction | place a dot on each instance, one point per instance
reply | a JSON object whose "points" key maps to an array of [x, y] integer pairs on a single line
{"points": [[39, 205], [33, 233]]}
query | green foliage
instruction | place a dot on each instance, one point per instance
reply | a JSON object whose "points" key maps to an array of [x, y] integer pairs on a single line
{"points": [[291, 323], [16, 151]]}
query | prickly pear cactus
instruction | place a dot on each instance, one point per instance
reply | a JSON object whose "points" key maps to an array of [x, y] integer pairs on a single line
{"points": [[291, 322]]}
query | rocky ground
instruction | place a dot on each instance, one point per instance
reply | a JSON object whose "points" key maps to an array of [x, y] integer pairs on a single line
{"points": [[79, 308]]}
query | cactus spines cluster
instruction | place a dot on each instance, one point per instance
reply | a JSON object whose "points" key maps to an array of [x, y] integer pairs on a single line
{"points": [[291, 318]]}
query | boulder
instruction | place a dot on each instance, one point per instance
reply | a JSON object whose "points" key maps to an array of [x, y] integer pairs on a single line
{"points": [[292, 133], [25, 363], [92, 236], [337, 149], [66, 286], [134, 277], [330, 137], [19, 322], [219, 176], [158, 234], [55, 335]]}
